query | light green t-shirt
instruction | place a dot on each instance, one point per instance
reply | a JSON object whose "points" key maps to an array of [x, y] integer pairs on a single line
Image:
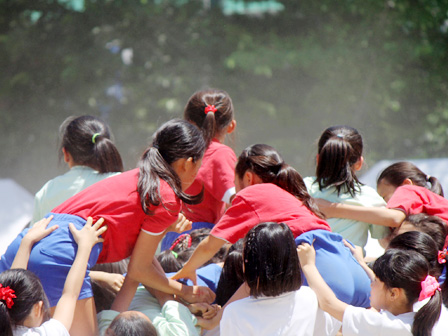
{"points": [[354, 231], [62, 187], [173, 319]]}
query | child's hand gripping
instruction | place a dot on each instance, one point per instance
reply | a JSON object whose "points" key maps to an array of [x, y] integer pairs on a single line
{"points": [[204, 310], [88, 236], [39, 230], [180, 225], [307, 254]]}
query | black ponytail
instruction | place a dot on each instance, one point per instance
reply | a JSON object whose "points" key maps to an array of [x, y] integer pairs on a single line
{"points": [[174, 140], [89, 141], [266, 163], [339, 148], [407, 270], [5, 320], [396, 173], [211, 110]]}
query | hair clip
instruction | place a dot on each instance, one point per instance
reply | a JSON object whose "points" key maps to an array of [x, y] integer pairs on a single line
{"points": [[340, 135], [180, 239], [94, 137], [429, 287], [441, 256], [7, 295], [210, 108]]}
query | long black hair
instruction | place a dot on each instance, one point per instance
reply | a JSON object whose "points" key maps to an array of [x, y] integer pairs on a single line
{"points": [[176, 139], [271, 264], [339, 148], [269, 166], [407, 270], [28, 291], [88, 139]]}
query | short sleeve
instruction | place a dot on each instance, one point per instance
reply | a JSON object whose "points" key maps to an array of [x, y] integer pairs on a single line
{"points": [[361, 321], [50, 328], [164, 214], [176, 320], [236, 221], [406, 200]]}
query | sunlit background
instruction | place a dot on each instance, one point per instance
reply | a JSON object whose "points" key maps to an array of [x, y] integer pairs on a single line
{"points": [[292, 67]]}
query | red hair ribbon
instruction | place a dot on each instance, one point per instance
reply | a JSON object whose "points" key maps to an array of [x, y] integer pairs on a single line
{"points": [[180, 239], [6, 295], [441, 257], [429, 287], [210, 108]]}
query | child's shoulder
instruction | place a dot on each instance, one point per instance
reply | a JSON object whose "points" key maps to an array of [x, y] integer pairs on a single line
{"points": [[50, 328]]}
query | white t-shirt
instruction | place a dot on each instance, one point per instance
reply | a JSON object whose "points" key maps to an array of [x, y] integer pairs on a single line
{"points": [[294, 313], [441, 327], [361, 321], [50, 328]]}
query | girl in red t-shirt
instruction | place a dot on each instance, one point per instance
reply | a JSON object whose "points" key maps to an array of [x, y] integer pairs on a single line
{"points": [[267, 190], [138, 207], [407, 191], [212, 111]]}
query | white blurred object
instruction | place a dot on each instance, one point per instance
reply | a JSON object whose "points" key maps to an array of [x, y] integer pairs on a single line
{"points": [[373, 248], [127, 55], [16, 210]]}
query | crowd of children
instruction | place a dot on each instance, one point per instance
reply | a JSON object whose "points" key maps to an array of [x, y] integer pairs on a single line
{"points": [[247, 246]]}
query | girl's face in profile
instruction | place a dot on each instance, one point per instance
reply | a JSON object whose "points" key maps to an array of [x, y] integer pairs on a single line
{"points": [[378, 294], [385, 190]]}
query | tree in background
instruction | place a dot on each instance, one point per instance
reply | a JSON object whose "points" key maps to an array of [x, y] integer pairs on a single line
{"points": [[292, 67]]}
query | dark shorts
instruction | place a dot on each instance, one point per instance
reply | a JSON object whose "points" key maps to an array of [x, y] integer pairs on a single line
{"points": [[53, 256]]}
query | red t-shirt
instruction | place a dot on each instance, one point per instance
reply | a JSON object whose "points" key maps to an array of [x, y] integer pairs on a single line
{"points": [[265, 202], [414, 200], [217, 175], [116, 200]]}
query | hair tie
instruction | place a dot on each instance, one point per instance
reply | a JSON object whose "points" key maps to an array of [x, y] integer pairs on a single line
{"points": [[7, 295], [155, 146], [429, 287], [210, 108], [179, 239], [441, 256], [94, 137], [174, 254]]}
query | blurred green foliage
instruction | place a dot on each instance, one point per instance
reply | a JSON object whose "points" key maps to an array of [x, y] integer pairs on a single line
{"points": [[380, 66]]}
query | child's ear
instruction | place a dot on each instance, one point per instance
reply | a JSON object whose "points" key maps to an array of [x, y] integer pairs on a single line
{"points": [[358, 165], [407, 182], [250, 178], [231, 127], [396, 293]]}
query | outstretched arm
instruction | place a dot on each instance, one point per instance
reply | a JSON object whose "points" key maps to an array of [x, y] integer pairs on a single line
{"points": [[36, 233], [327, 299], [374, 215], [143, 268], [86, 238], [203, 253]]}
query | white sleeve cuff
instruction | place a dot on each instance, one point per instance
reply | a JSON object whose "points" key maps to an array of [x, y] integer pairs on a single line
{"points": [[228, 194]]}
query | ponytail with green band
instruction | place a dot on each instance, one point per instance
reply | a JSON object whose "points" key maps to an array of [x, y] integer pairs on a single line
{"points": [[94, 137]]}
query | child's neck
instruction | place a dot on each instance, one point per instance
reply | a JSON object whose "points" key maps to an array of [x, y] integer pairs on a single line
{"points": [[398, 309]]}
